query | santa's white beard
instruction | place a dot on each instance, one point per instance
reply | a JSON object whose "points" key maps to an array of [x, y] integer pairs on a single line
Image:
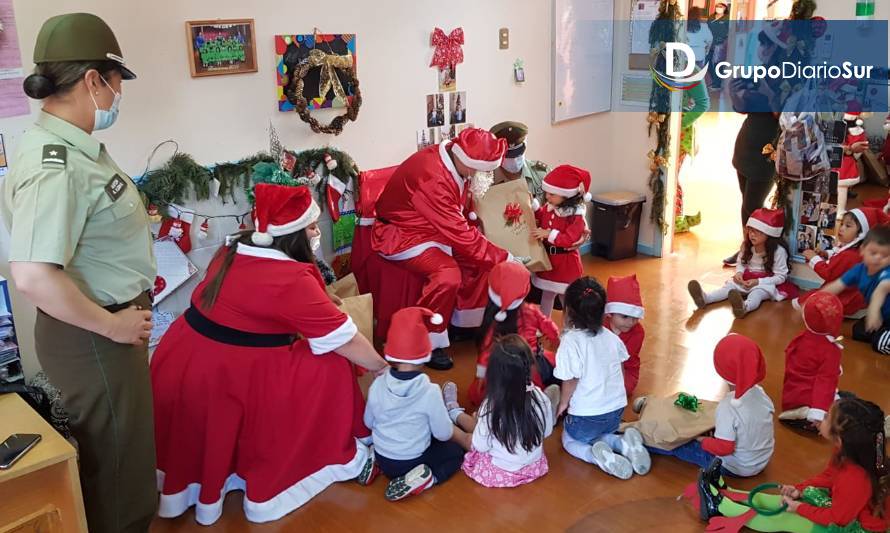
{"points": [[480, 183]]}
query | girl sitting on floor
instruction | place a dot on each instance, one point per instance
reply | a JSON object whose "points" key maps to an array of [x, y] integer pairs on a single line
{"points": [[624, 310], [761, 271], [832, 264], [589, 362], [852, 494], [508, 313], [507, 444]]}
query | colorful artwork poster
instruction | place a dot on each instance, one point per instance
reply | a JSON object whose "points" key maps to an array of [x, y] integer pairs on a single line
{"points": [[293, 50]]}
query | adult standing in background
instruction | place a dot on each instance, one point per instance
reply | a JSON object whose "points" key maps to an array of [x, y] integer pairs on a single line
{"points": [[81, 252], [515, 165], [719, 26], [699, 36]]}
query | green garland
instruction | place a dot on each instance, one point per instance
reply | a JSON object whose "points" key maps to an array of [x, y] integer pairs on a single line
{"points": [[172, 183], [660, 112], [304, 164]]}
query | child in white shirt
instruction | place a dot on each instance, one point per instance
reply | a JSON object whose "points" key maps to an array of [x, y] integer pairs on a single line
{"points": [[589, 362]]}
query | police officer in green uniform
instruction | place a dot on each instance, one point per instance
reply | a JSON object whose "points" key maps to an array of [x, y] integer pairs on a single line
{"points": [[81, 252], [515, 165]]}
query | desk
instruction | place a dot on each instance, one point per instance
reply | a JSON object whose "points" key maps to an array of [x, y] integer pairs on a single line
{"points": [[44, 481]]}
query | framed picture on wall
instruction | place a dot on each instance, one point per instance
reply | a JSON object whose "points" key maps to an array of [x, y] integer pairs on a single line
{"points": [[218, 47]]}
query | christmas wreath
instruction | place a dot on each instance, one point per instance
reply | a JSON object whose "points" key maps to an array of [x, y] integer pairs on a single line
{"points": [[330, 64]]}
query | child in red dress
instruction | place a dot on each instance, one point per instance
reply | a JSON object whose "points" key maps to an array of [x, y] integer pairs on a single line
{"points": [[851, 494], [813, 363], [832, 264], [624, 309], [561, 224], [507, 313], [848, 174]]}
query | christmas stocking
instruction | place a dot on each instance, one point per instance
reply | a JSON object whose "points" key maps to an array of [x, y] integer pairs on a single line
{"points": [[179, 231]]}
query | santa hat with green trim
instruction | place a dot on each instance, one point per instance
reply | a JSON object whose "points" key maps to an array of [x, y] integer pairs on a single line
{"points": [[408, 339]]}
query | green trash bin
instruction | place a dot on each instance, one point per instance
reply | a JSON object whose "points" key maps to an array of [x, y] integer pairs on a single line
{"points": [[615, 228]]}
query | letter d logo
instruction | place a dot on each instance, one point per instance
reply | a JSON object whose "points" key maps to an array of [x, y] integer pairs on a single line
{"points": [[670, 60]]}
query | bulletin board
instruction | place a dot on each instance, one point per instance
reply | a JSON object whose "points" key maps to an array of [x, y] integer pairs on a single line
{"points": [[582, 58]]}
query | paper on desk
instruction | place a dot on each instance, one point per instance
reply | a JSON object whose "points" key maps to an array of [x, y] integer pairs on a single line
{"points": [[161, 321], [174, 268]]}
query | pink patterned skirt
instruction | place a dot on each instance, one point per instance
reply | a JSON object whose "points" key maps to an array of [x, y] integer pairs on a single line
{"points": [[478, 466]]}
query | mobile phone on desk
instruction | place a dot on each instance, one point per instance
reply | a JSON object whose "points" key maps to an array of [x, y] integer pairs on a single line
{"points": [[15, 446]]}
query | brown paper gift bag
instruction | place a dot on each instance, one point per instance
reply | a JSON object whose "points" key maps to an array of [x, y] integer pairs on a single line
{"points": [[667, 426], [359, 307], [512, 234]]}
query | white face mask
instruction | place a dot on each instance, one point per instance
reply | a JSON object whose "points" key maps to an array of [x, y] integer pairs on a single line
{"points": [[315, 242], [515, 165], [105, 118]]}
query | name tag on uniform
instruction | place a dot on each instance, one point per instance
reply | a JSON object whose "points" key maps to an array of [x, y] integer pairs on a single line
{"points": [[115, 187], [55, 155]]}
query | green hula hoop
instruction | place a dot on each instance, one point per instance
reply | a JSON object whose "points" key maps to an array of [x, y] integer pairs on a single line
{"points": [[765, 512]]}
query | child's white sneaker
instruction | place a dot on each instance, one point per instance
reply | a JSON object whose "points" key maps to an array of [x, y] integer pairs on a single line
{"points": [[449, 395], [611, 462], [417, 480], [632, 448]]}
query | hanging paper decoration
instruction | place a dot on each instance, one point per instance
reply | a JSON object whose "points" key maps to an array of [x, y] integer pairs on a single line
{"points": [[204, 229], [242, 226], [160, 285], [448, 48], [179, 231], [215, 185]]}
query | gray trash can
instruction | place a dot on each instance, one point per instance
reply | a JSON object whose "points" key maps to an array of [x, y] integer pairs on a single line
{"points": [[615, 228]]}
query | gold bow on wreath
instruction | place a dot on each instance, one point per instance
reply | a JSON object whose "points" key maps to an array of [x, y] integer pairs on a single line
{"points": [[655, 161], [328, 79]]}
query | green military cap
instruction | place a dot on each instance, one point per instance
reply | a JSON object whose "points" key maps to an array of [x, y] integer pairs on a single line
{"points": [[79, 37], [514, 132]]}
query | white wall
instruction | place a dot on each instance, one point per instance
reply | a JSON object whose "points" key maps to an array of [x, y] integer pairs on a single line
{"points": [[223, 118]]}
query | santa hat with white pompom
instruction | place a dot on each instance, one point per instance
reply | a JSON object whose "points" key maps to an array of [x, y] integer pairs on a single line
{"points": [[508, 285], [739, 361], [568, 181], [408, 339], [281, 210]]}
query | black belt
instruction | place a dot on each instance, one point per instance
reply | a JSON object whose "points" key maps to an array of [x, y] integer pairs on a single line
{"points": [[556, 250], [120, 307], [234, 337]]}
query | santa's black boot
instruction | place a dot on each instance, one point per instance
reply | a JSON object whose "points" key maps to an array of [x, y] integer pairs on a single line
{"points": [[440, 360]]}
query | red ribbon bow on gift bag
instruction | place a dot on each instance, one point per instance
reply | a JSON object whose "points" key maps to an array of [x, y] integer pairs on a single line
{"points": [[512, 214], [448, 47]]}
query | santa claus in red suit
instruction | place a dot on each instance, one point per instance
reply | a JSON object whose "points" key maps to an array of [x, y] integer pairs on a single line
{"points": [[849, 171], [422, 225], [813, 363]]}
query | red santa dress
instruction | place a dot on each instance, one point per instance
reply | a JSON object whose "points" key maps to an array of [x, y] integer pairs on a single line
{"points": [[566, 228], [422, 225], [633, 341], [813, 358], [240, 405], [530, 322], [849, 171], [833, 268]]}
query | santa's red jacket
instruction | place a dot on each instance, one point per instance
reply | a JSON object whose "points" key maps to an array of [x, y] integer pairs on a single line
{"points": [[812, 371], [422, 207]]}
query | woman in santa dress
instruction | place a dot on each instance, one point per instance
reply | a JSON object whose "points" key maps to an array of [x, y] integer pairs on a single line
{"points": [[254, 386]]}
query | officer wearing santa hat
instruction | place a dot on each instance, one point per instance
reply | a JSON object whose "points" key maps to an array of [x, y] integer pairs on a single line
{"points": [[624, 310], [813, 363], [421, 226]]}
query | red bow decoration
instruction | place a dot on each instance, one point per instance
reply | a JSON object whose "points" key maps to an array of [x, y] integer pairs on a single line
{"points": [[448, 47], [512, 214]]}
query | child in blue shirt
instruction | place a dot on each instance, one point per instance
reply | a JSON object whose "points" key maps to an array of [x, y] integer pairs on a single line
{"points": [[872, 278]]}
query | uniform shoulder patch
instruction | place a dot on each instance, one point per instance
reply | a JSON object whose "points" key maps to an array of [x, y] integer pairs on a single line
{"points": [[115, 187], [55, 155]]}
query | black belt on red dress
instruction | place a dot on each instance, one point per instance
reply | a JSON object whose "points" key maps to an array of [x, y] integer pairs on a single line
{"points": [[234, 337], [556, 250]]}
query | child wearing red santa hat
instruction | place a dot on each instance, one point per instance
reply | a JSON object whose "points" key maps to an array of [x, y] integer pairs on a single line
{"points": [[561, 224], [415, 440], [508, 313], [813, 363], [848, 174], [624, 310], [743, 429], [832, 264], [761, 270]]}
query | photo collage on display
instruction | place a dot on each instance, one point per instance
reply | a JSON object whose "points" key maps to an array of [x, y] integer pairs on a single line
{"points": [[446, 111], [818, 214]]}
